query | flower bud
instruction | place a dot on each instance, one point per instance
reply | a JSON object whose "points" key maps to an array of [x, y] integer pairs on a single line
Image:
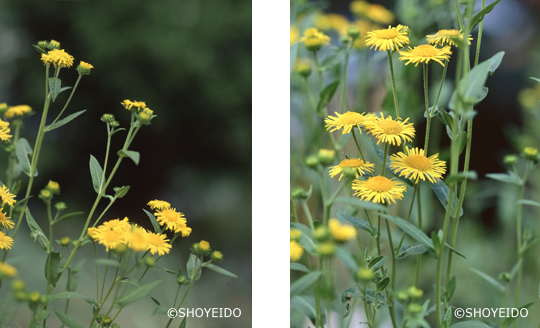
{"points": [[3, 107], [84, 68], [353, 32], [120, 249], [181, 280], [7, 271], [107, 118], [34, 297], [45, 194], [510, 159], [53, 187], [299, 193], [365, 275], [304, 70], [217, 256], [505, 276], [312, 161], [114, 124], [349, 172], [326, 248], [326, 156], [18, 284], [42, 47], [60, 206], [150, 262], [145, 116], [415, 308], [313, 44], [296, 234], [415, 293], [402, 296], [321, 233], [344, 39], [531, 154], [65, 241], [53, 45], [20, 296]]}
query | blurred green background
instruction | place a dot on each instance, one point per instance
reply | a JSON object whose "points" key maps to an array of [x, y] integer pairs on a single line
{"points": [[190, 61], [507, 121]]}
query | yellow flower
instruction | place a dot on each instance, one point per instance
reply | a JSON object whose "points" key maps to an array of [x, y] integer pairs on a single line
{"points": [[173, 220], [128, 104], [341, 232], [388, 39], [5, 222], [530, 153], [296, 251], [58, 58], [391, 131], [137, 239], [4, 131], [295, 34], [53, 187], [424, 54], [7, 271], [204, 245], [359, 7], [379, 14], [335, 22], [357, 164], [118, 225], [158, 244], [379, 189], [158, 204], [447, 37], [7, 197], [110, 238], [5, 241], [314, 40], [295, 234], [217, 256], [347, 121], [364, 26], [19, 111], [84, 68], [415, 165]]}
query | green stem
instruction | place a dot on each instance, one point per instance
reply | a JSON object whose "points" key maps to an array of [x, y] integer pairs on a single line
{"points": [[440, 257], [344, 79], [308, 214], [107, 295], [479, 41], [384, 159], [105, 277], [69, 99], [428, 112], [324, 194], [357, 145], [408, 216], [519, 240], [97, 272], [319, 72], [419, 256], [389, 52], [392, 307], [458, 13], [12, 157]]}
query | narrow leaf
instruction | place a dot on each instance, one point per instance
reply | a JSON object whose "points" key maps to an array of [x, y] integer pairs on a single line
{"points": [[377, 263], [160, 309], [37, 233], [136, 293], [506, 178], [359, 223], [355, 202], [528, 202], [97, 173], [67, 216], [134, 155], [326, 95], [381, 285], [304, 282], [67, 320], [413, 249], [443, 192], [153, 220], [299, 267], [220, 270], [294, 54], [193, 266], [470, 324], [412, 231], [63, 121], [52, 264], [22, 151], [120, 192], [54, 87], [334, 58], [495, 62], [72, 295], [489, 279], [479, 16]]}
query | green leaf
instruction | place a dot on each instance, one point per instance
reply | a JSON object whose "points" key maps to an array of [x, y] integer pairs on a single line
{"points": [[443, 191], [479, 16], [461, 176], [528, 202], [183, 323], [346, 257], [51, 270], [326, 95], [413, 249], [377, 263], [63, 121], [299, 267], [72, 295], [153, 220], [359, 223], [515, 269], [160, 309], [381, 285], [40, 315], [506, 178], [294, 54], [412, 231], [435, 241], [134, 155], [355, 202], [193, 266], [64, 89], [306, 305], [120, 192], [22, 151], [509, 320], [136, 293], [305, 240], [54, 87], [534, 78], [450, 288], [475, 81], [490, 280], [67, 216], [220, 270], [97, 173], [495, 62], [461, 140], [445, 117], [66, 320], [470, 324], [333, 59], [36, 232], [304, 282], [16, 187]]}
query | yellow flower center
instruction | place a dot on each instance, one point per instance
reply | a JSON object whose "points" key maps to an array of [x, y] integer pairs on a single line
{"points": [[390, 127], [379, 184], [425, 50], [387, 34], [448, 32], [351, 162], [418, 162], [111, 236], [171, 215], [351, 118], [155, 240]]}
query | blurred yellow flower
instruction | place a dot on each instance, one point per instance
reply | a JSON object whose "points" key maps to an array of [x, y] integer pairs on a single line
{"points": [[446, 37], [5, 221], [7, 271], [335, 22], [137, 238], [360, 167], [5, 241], [341, 232], [295, 34], [424, 54], [7, 197], [19, 111], [296, 251], [379, 14], [158, 204], [158, 244], [58, 58], [314, 40]]}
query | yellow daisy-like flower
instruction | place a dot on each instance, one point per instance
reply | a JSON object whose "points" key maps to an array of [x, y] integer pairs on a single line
{"points": [[158, 204], [388, 39], [447, 37], [128, 104], [424, 54], [58, 58], [347, 121], [93, 232], [341, 232], [415, 165], [379, 189], [19, 111], [7, 271], [5, 241], [314, 40], [121, 226], [110, 238], [137, 239], [295, 34], [84, 68], [357, 164], [379, 14], [7, 197], [391, 131], [173, 220], [158, 244], [4, 131], [204, 245], [296, 251], [5, 221]]}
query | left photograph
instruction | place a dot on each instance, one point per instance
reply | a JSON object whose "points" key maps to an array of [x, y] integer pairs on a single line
{"points": [[126, 154]]}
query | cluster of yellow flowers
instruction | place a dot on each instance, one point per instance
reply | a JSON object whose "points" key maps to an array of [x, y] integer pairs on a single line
{"points": [[5, 223], [15, 111], [59, 57], [144, 114], [169, 217]]}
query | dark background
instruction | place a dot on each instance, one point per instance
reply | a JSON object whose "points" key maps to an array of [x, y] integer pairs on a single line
{"points": [[190, 61]]}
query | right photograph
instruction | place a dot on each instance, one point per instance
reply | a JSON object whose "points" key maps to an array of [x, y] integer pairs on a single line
{"points": [[414, 179]]}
